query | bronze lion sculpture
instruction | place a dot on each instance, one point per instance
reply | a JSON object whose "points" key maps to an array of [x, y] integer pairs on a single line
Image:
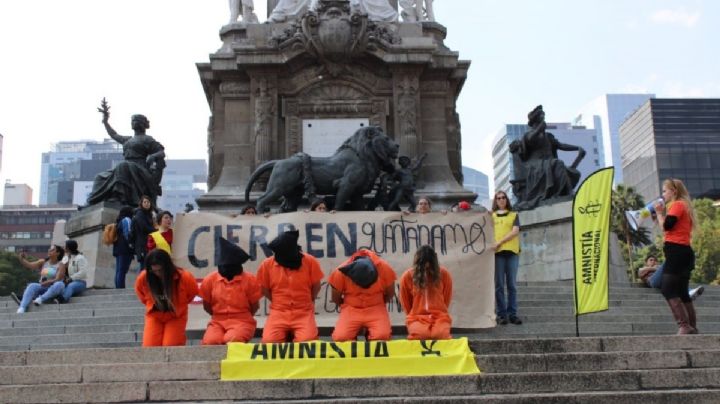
{"points": [[348, 174]]}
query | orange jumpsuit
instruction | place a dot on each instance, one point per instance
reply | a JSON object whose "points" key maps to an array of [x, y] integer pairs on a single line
{"points": [[427, 309], [292, 305], [167, 328], [363, 307], [231, 302]]}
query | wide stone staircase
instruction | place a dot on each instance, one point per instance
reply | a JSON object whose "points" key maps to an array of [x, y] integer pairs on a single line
{"points": [[88, 351]]}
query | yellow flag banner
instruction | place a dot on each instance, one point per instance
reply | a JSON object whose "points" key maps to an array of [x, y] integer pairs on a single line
{"points": [[351, 359], [591, 232]]}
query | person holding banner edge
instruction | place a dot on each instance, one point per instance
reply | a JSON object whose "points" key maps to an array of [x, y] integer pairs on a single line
{"points": [[507, 247], [677, 219]]}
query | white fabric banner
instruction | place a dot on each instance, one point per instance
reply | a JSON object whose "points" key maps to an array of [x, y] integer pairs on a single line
{"points": [[460, 239]]}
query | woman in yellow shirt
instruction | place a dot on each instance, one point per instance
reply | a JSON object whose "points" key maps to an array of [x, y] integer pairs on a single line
{"points": [[507, 250]]}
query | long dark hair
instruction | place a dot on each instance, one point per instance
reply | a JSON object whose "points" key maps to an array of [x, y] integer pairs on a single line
{"points": [[125, 211], [426, 268], [60, 253], [143, 197], [72, 247], [161, 288]]}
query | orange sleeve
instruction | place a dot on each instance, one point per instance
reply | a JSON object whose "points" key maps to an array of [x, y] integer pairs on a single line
{"points": [[447, 287], [191, 286], [387, 273], [206, 288], [337, 280], [406, 296], [677, 209], [316, 273], [141, 288], [253, 289], [262, 275]]}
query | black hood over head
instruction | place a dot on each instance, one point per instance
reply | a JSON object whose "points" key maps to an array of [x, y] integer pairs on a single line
{"points": [[362, 271], [286, 249], [231, 258]]}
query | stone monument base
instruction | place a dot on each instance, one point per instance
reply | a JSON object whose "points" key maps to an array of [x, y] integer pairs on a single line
{"points": [[86, 227], [546, 246]]}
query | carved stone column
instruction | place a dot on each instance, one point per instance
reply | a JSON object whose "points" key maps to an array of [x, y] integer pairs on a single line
{"points": [[265, 111], [406, 95], [230, 130]]}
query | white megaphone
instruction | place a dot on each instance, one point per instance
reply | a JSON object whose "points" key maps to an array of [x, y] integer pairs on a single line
{"points": [[636, 217]]}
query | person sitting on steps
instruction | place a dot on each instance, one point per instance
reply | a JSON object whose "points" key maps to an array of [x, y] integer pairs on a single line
{"points": [[651, 275]]}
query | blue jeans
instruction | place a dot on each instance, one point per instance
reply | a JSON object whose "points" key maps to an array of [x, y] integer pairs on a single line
{"points": [[655, 280], [506, 268], [33, 290], [73, 288], [122, 265]]}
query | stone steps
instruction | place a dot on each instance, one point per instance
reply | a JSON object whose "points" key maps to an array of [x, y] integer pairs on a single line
{"points": [[643, 369], [105, 318]]}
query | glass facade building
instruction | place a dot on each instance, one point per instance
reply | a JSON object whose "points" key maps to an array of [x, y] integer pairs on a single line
{"points": [[588, 139], [673, 138], [477, 182]]}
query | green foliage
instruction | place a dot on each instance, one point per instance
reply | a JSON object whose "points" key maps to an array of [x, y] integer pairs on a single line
{"points": [[706, 242], [625, 198], [13, 276]]}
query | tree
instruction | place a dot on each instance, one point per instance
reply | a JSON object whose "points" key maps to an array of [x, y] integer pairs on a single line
{"points": [[13, 276], [706, 242], [625, 198]]}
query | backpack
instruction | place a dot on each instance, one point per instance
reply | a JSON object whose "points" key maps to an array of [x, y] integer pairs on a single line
{"points": [[109, 236]]}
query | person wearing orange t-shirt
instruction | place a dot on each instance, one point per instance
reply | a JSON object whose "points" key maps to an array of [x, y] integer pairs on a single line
{"points": [[231, 297], [677, 223], [425, 293], [166, 291], [290, 279], [361, 286]]}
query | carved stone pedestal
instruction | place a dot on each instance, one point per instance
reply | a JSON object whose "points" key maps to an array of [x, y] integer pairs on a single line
{"points": [[267, 81], [86, 227], [546, 246]]}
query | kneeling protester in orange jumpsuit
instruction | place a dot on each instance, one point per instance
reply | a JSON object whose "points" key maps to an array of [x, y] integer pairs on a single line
{"points": [[425, 293], [290, 279], [166, 291], [361, 286], [231, 297]]}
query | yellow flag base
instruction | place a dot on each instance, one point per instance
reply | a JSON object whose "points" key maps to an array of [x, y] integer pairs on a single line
{"points": [[325, 359]]}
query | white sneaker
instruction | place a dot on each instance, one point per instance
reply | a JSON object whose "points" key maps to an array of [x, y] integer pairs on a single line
{"points": [[20, 310], [695, 293], [38, 301]]}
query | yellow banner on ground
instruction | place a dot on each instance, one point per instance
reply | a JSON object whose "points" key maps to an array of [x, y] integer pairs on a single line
{"points": [[327, 359], [591, 233]]}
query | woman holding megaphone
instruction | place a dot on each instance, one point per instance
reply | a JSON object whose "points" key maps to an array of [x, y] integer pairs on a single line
{"points": [[677, 219]]}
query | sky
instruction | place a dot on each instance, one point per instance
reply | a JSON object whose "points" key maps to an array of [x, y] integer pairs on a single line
{"points": [[60, 58]]}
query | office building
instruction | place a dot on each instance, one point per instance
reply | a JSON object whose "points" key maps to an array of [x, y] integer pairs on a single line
{"points": [[477, 182], [74, 161], [183, 181], [68, 172], [588, 139], [30, 228], [17, 195], [673, 138], [612, 109]]}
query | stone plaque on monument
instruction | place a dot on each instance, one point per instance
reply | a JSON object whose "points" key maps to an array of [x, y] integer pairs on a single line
{"points": [[322, 137]]}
